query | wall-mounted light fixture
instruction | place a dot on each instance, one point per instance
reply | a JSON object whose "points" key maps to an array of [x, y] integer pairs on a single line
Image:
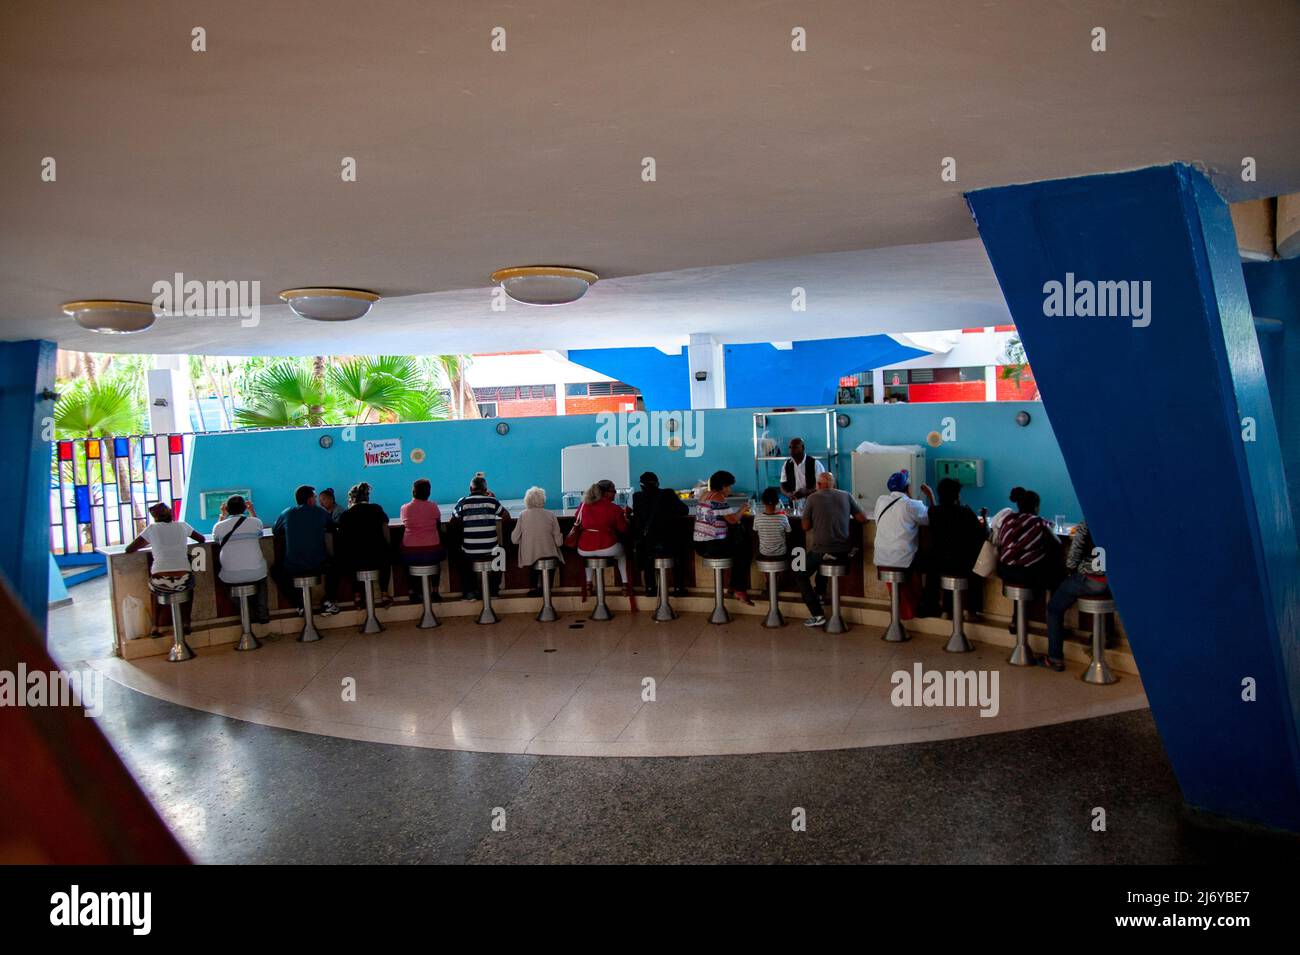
{"points": [[1022, 418], [326, 441], [503, 428], [701, 376], [843, 420]]}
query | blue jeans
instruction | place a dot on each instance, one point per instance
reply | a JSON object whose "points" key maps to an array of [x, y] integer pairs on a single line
{"points": [[1063, 598]]}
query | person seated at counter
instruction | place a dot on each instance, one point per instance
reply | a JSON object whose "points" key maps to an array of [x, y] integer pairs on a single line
{"points": [[421, 542], [536, 535], [772, 526], [300, 533], [720, 533], [362, 541], [170, 571], [899, 518], [597, 528], [800, 472], [656, 522], [956, 536], [477, 514], [1028, 554], [827, 524], [237, 542], [330, 504], [1085, 577]]}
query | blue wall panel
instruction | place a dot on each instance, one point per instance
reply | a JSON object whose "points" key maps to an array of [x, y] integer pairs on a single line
{"points": [[272, 463], [1195, 521], [1274, 289], [26, 369], [758, 375]]}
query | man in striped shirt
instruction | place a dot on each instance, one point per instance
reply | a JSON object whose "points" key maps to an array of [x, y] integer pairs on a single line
{"points": [[477, 514]]}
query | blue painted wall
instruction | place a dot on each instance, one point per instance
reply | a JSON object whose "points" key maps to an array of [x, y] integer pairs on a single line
{"points": [[1274, 290], [758, 375], [1196, 522], [26, 369], [273, 463]]}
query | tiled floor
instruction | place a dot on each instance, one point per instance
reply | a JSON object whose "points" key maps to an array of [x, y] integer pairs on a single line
{"points": [[626, 687], [235, 791]]}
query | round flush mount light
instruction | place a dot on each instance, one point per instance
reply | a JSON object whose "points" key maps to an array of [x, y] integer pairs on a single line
{"points": [[329, 304], [109, 316], [843, 420], [503, 429], [1022, 418], [326, 441], [544, 284]]}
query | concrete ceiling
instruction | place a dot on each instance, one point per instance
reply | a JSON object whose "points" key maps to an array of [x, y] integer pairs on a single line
{"points": [[774, 168]]}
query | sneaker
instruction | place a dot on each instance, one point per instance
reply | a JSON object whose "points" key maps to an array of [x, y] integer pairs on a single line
{"points": [[813, 622], [329, 608], [1046, 661]]}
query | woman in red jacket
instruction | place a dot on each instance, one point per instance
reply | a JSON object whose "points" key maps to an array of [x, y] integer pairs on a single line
{"points": [[602, 523]]}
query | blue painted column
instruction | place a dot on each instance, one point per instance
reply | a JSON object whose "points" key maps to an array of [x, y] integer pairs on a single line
{"points": [[26, 370], [1148, 408]]}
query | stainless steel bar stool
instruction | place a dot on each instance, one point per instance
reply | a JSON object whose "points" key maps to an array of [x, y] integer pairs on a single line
{"points": [[834, 569], [957, 643], [368, 579], [597, 566], [896, 633], [242, 593], [180, 649], [1021, 656], [773, 569], [426, 573], [309, 632], [484, 569], [547, 566], [718, 565], [1098, 672], [664, 610]]}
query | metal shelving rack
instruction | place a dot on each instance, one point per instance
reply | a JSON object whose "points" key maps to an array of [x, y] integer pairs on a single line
{"points": [[829, 454]]}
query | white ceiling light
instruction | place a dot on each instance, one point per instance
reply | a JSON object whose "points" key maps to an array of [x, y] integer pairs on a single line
{"points": [[329, 304], [109, 316], [544, 284]]}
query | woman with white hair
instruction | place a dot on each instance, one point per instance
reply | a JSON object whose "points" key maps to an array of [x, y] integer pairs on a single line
{"points": [[537, 535]]}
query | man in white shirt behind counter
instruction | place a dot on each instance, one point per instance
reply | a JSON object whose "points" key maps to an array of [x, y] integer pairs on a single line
{"points": [[800, 472], [898, 525]]}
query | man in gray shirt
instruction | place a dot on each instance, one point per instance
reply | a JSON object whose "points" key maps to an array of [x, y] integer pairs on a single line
{"points": [[828, 514]]}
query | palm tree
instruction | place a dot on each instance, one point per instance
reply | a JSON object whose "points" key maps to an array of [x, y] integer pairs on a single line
{"points": [[450, 371], [97, 409], [378, 387], [285, 395]]}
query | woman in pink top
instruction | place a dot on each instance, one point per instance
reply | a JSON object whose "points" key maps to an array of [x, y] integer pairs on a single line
{"points": [[421, 543]]}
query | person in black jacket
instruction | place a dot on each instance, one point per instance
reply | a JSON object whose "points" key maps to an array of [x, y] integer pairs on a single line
{"points": [[956, 536], [658, 530], [361, 541]]}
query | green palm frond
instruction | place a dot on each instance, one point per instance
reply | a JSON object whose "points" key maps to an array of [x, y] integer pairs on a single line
{"points": [[97, 410]]}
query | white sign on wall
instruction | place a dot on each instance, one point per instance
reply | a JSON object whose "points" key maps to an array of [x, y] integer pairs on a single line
{"points": [[382, 452]]}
